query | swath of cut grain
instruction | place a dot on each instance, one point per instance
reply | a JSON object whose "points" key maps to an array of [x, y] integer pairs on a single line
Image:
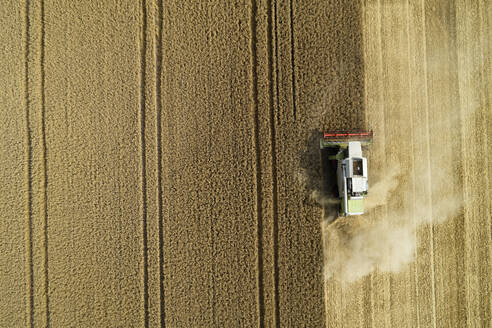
{"points": [[424, 255], [376, 112], [398, 149], [374, 105], [473, 71], [442, 92], [423, 279], [431, 60]]}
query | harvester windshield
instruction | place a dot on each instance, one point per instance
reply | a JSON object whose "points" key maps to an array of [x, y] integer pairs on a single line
{"points": [[357, 166]]}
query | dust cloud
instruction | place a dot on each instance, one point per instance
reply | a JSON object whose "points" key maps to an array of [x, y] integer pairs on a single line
{"points": [[382, 189], [386, 241], [385, 238]]}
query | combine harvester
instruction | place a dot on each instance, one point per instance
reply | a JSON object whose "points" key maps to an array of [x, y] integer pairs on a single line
{"points": [[345, 149]]}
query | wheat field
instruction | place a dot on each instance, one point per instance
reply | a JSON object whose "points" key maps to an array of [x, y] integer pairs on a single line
{"points": [[160, 164]]}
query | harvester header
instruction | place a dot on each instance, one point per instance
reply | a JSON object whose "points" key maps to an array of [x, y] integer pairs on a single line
{"points": [[336, 138], [341, 134]]}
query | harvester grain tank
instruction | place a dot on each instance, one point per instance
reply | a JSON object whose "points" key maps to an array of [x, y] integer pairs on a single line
{"points": [[345, 150]]}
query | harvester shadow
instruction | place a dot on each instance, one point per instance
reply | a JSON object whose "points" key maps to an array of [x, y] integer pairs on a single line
{"points": [[320, 176]]}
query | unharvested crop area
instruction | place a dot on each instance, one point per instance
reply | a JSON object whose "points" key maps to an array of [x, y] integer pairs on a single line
{"points": [[159, 163]]}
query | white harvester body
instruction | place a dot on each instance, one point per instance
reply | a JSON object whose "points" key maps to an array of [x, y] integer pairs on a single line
{"points": [[351, 169], [352, 179]]}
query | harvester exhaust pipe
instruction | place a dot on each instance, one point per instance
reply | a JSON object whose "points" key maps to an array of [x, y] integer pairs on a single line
{"points": [[345, 196]]}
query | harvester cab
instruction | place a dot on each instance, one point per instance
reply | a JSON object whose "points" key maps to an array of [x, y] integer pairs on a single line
{"points": [[345, 149]]}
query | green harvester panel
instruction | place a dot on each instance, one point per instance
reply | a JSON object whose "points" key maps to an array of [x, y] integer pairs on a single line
{"points": [[355, 205]]}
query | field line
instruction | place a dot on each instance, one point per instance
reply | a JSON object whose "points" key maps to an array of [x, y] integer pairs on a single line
{"points": [[158, 100], [429, 178], [484, 73], [275, 11], [29, 232], [273, 153], [256, 145], [384, 130], [412, 124], [464, 99], [367, 297], [213, 296], [143, 51], [485, 77], [44, 163], [292, 59], [458, 184], [488, 28], [363, 12], [370, 283]]}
